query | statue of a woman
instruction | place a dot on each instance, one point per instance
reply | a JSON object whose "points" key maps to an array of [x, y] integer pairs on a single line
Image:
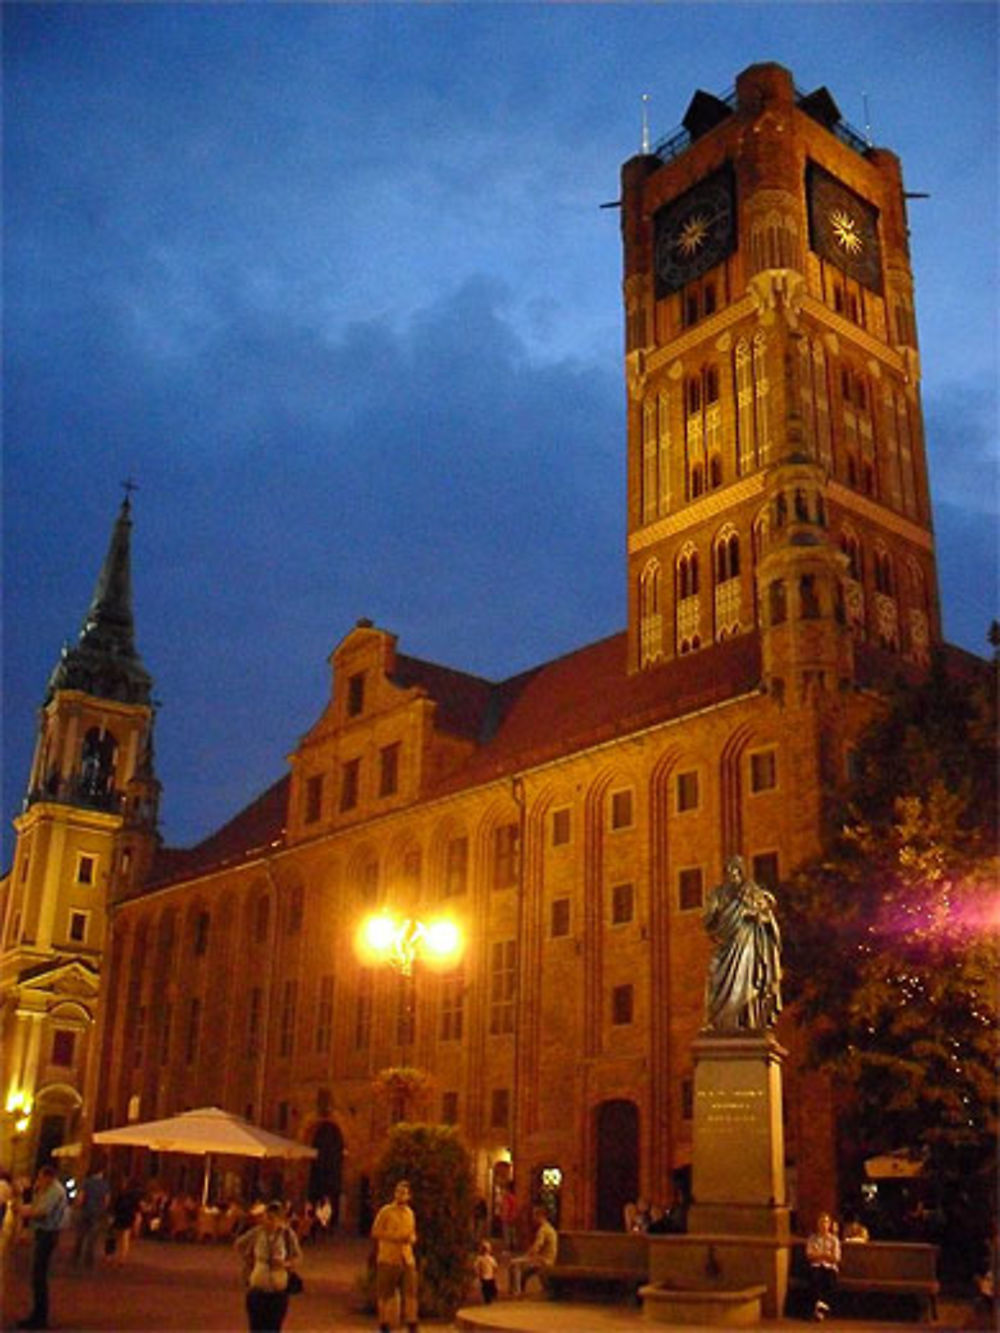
{"points": [[743, 990]]}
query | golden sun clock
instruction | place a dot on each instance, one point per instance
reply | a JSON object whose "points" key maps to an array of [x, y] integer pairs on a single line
{"points": [[843, 229]]}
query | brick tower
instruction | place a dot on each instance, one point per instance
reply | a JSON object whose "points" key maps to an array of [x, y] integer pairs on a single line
{"points": [[777, 476]]}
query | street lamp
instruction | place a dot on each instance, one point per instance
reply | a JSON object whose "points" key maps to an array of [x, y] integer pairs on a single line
{"points": [[399, 941]]}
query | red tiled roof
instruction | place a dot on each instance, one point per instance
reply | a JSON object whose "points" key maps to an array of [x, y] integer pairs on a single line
{"points": [[259, 826], [463, 700]]}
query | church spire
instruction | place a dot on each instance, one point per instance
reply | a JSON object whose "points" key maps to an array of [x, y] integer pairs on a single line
{"points": [[104, 661]]}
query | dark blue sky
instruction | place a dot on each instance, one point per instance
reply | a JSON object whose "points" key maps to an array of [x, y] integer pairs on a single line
{"points": [[332, 284]]}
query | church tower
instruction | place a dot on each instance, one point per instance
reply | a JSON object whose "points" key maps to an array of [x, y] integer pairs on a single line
{"points": [[89, 819], [776, 472]]}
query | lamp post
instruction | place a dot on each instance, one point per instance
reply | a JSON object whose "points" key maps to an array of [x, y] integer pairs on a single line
{"points": [[400, 941]]}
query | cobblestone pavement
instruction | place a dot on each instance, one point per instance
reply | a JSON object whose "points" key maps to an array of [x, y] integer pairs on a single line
{"points": [[190, 1288]]}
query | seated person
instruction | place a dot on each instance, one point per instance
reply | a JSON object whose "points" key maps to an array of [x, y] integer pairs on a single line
{"points": [[541, 1254]]}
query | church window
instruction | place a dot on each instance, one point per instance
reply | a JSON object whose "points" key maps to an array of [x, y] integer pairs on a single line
{"points": [[255, 1004], [622, 904], [560, 918], [687, 573], [289, 1005], [505, 856], [765, 869], [622, 1005], [727, 557], [453, 1006], [314, 798], [86, 869], [139, 1037], [363, 1009], [650, 619], [388, 783], [456, 866], [708, 298], [193, 1030], [697, 481], [500, 1108], [710, 376], [715, 471], [694, 395], [690, 888], [202, 921], [809, 607], [561, 826], [776, 602], [78, 927], [621, 809], [63, 1047], [350, 774], [883, 573], [688, 796], [449, 1108], [356, 694], [503, 959], [324, 1015], [763, 770]]}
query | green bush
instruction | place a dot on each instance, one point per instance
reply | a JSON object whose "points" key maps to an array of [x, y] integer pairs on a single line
{"points": [[436, 1163]]}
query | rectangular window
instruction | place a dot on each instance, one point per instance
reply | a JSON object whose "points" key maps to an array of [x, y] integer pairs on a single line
{"points": [[690, 888], [363, 1009], [688, 795], [505, 849], [503, 956], [388, 774], [86, 869], [561, 826], [289, 1005], [139, 1037], [314, 798], [324, 1015], [284, 1115], [559, 922], [63, 1045], [763, 770], [201, 924], [78, 927], [193, 1030], [449, 1108], [500, 1108], [355, 694], [621, 809], [255, 1003], [453, 1006], [165, 1022], [456, 866], [349, 780], [622, 904], [621, 1004], [765, 869]]}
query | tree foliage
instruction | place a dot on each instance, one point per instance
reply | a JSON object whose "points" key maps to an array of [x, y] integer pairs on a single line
{"points": [[892, 933], [436, 1163]]}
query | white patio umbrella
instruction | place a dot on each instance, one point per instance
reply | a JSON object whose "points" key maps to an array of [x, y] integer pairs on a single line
{"points": [[207, 1131]]}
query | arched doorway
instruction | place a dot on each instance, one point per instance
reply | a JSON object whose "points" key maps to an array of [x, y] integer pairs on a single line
{"points": [[617, 1142], [326, 1173]]}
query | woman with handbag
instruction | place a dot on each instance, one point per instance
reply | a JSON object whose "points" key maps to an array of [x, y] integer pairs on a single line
{"points": [[269, 1252]]}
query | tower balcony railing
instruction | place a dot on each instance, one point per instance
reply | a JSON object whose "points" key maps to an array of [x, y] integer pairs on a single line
{"points": [[76, 791]]}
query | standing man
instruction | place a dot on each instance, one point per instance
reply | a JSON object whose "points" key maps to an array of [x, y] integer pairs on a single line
{"points": [[47, 1214], [93, 1214], [395, 1230], [540, 1256]]}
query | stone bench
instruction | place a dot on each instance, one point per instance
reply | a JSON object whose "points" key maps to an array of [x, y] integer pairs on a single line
{"points": [[888, 1268], [599, 1259]]}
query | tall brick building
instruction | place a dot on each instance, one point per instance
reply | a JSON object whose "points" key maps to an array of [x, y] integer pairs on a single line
{"points": [[780, 565]]}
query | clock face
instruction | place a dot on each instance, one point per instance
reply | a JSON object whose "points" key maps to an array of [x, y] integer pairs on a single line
{"points": [[844, 229], [694, 233]]}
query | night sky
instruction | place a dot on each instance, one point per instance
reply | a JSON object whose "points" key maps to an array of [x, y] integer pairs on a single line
{"points": [[332, 285]]}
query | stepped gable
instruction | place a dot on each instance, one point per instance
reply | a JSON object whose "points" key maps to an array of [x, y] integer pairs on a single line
{"points": [[258, 827], [589, 697]]}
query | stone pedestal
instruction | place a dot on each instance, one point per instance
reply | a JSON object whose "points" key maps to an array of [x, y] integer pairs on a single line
{"points": [[738, 1223]]}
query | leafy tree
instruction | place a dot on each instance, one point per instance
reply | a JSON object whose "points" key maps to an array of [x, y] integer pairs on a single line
{"points": [[892, 933], [436, 1163]]}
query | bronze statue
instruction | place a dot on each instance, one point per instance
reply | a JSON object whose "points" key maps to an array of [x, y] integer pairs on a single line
{"points": [[743, 990]]}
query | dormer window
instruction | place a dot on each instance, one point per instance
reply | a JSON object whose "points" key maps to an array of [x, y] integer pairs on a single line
{"points": [[356, 694]]}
